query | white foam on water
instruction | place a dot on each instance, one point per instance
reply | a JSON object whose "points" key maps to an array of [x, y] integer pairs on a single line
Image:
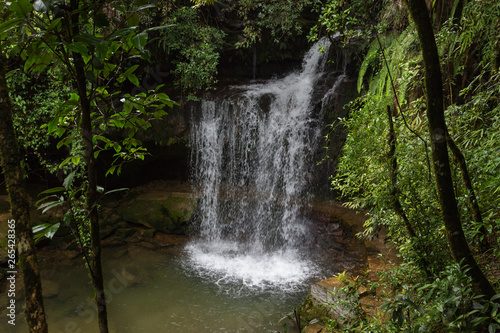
{"points": [[231, 269]]}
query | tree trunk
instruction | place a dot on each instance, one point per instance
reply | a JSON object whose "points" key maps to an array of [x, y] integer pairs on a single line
{"points": [[438, 131], [14, 178], [398, 208], [93, 214], [471, 195], [92, 196], [394, 176]]}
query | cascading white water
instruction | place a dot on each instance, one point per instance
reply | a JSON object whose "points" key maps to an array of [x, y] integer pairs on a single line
{"points": [[251, 160]]}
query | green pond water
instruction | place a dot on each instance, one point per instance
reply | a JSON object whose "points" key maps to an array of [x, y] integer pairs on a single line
{"points": [[158, 291]]}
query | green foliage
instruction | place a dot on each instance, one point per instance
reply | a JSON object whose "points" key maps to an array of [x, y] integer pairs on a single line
{"points": [[107, 51], [447, 304], [68, 202], [198, 3], [439, 297], [281, 18], [338, 16], [391, 75], [351, 19], [34, 99], [474, 101], [346, 297], [195, 47]]}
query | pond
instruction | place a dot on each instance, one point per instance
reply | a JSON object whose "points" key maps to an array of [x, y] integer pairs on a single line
{"points": [[162, 290]]}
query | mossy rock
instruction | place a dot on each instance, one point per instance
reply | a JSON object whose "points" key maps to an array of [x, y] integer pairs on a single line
{"points": [[165, 212], [310, 311], [328, 300]]}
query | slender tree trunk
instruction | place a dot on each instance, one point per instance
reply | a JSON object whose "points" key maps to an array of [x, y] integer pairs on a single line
{"points": [[394, 176], [96, 269], [398, 208], [93, 214], [438, 131], [471, 195], [14, 177], [92, 196]]}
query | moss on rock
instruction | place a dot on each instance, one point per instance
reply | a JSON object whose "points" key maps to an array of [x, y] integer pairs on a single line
{"points": [[165, 212]]}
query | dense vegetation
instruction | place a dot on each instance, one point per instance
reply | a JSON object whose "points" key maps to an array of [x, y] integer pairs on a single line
{"points": [[387, 166], [387, 163]]}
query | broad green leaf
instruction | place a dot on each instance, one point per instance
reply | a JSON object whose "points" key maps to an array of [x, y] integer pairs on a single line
{"points": [[130, 70], [127, 107], [52, 125], [78, 47], [133, 20], [98, 64], [39, 202], [120, 123], [111, 170], [40, 6], [101, 50], [21, 8], [48, 203], [66, 161], [108, 68], [51, 231], [54, 23], [132, 78], [31, 60], [75, 160], [158, 114], [59, 132], [117, 147], [69, 180], [146, 55], [6, 26], [160, 27], [117, 190], [40, 227], [61, 143], [52, 205], [140, 40], [53, 190]]}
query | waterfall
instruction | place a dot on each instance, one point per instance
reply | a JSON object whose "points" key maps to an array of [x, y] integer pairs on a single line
{"points": [[251, 161]]}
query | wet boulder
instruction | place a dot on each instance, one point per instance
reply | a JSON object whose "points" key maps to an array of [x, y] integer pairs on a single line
{"points": [[167, 212]]}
